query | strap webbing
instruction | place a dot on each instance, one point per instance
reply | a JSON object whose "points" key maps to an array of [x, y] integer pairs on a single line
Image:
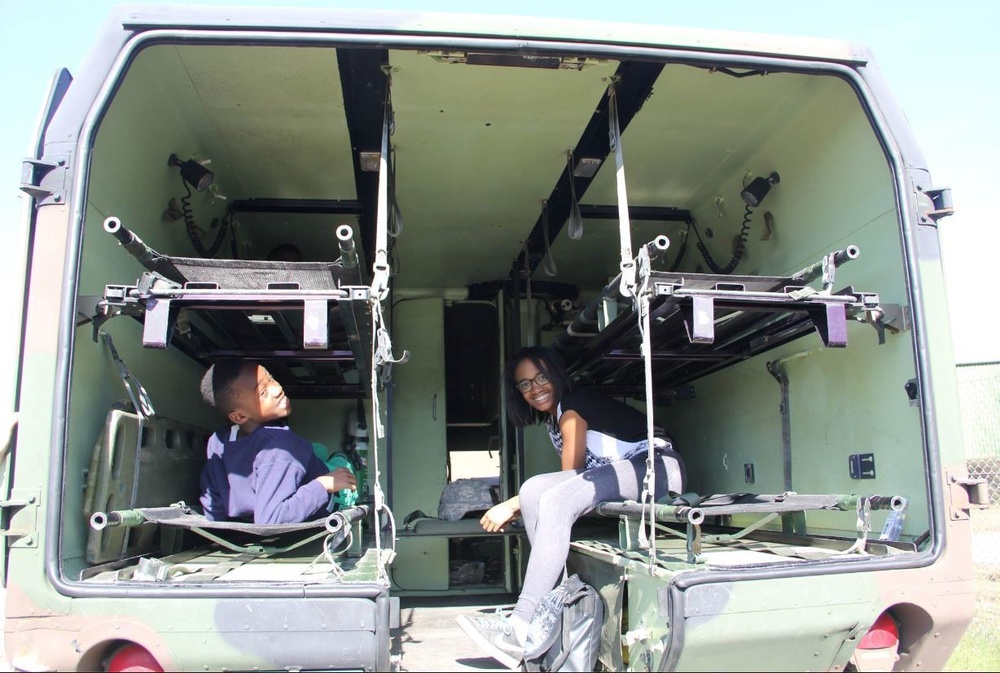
{"points": [[380, 269], [138, 395], [624, 226]]}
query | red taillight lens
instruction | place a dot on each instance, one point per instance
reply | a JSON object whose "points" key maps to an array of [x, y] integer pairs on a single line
{"points": [[133, 659], [883, 633]]}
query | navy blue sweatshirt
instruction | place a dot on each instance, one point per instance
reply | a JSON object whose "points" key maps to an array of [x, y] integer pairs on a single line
{"points": [[269, 476]]}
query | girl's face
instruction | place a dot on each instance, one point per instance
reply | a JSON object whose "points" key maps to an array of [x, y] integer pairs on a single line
{"points": [[535, 386]]}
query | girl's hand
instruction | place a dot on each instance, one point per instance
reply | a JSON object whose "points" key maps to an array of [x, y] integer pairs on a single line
{"points": [[497, 517]]}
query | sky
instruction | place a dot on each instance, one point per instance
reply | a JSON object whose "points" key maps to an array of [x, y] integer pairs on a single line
{"points": [[939, 59]]}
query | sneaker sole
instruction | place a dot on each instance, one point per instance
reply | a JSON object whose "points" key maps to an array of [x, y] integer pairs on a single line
{"points": [[470, 630]]}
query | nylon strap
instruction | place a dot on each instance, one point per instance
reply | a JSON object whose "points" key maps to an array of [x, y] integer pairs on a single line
{"points": [[649, 482], [548, 263], [380, 269], [381, 355], [624, 227], [575, 222], [138, 395]]}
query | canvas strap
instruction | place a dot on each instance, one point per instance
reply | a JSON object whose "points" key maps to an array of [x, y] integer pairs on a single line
{"points": [[137, 394], [624, 227]]}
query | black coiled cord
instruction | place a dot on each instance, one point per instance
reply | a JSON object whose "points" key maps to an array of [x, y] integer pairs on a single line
{"points": [[192, 229], [683, 249], [741, 247]]}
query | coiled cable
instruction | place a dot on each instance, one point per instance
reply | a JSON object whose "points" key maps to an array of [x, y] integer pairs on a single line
{"points": [[192, 228], [741, 246]]}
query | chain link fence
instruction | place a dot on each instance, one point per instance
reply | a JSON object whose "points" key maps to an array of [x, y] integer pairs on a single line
{"points": [[988, 469]]}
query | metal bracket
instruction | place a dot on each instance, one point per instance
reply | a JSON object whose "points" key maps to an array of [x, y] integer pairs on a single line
{"points": [[34, 173], [830, 321], [156, 327], [315, 325], [358, 293], [943, 206], [23, 518], [892, 317], [628, 533], [964, 493], [699, 319]]}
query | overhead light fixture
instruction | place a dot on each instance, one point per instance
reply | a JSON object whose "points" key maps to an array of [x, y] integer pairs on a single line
{"points": [[755, 192], [193, 173]]}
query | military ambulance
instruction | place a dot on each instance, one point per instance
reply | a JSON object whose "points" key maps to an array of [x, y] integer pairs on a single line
{"points": [[735, 233]]}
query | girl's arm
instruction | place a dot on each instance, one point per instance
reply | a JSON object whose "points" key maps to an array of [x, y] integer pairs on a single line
{"points": [[574, 436], [500, 515]]}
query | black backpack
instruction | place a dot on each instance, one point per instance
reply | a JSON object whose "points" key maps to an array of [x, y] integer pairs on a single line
{"points": [[565, 631]]}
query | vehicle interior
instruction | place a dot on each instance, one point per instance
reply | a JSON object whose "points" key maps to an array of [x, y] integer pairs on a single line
{"points": [[759, 203]]}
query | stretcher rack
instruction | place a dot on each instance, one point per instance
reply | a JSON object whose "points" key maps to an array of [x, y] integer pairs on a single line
{"points": [[338, 524], [309, 321], [691, 511], [701, 323]]}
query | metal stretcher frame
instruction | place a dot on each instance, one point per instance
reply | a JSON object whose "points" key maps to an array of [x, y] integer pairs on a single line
{"points": [[705, 322], [337, 524], [691, 511], [221, 296]]}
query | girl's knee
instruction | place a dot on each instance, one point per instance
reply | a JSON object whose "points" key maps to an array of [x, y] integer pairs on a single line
{"points": [[531, 491]]}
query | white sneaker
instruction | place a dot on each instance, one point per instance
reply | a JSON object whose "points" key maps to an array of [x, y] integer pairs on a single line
{"points": [[496, 637]]}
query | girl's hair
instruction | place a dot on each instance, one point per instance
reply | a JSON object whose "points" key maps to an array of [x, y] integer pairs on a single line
{"points": [[547, 360]]}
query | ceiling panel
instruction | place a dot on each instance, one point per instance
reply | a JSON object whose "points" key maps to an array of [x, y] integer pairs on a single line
{"points": [[279, 114], [478, 149]]}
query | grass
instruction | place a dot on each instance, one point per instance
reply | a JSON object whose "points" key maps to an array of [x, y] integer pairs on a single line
{"points": [[979, 649]]}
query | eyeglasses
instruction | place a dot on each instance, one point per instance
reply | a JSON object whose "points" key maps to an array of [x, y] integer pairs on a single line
{"points": [[525, 385]]}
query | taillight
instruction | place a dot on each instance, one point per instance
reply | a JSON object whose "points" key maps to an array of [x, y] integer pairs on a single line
{"points": [[883, 633], [133, 658], [879, 647]]}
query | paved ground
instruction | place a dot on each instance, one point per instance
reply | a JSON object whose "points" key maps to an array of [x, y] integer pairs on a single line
{"points": [[433, 641]]}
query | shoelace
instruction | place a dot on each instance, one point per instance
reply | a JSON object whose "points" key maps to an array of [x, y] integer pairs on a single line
{"points": [[499, 624]]}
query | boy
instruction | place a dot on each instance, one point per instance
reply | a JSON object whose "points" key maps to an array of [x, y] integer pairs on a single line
{"points": [[256, 470]]}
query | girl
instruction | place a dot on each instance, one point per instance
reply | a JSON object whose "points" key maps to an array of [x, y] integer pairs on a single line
{"points": [[602, 445]]}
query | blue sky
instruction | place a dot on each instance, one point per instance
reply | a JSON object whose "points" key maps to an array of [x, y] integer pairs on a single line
{"points": [[940, 60]]}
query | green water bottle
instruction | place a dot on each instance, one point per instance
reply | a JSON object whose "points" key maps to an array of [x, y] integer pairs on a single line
{"points": [[345, 498]]}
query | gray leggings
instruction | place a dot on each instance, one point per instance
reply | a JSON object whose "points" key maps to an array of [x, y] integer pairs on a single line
{"points": [[551, 503]]}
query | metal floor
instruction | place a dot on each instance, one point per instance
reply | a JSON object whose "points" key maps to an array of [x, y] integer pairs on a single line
{"points": [[430, 640]]}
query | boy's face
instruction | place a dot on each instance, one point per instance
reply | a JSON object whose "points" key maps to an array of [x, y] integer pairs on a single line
{"points": [[259, 399]]}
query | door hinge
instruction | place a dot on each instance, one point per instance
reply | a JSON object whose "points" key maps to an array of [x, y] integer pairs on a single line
{"points": [[20, 511]]}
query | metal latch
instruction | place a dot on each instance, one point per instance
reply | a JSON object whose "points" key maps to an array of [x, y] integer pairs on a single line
{"points": [[967, 492], [22, 513], [934, 204], [34, 183]]}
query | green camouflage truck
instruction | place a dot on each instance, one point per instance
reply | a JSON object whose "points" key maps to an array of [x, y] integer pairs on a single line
{"points": [[734, 232]]}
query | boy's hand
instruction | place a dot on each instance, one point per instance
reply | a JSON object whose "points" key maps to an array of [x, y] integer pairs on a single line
{"points": [[337, 480]]}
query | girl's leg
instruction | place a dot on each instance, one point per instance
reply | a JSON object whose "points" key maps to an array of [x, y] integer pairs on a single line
{"points": [[531, 493], [555, 503]]}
